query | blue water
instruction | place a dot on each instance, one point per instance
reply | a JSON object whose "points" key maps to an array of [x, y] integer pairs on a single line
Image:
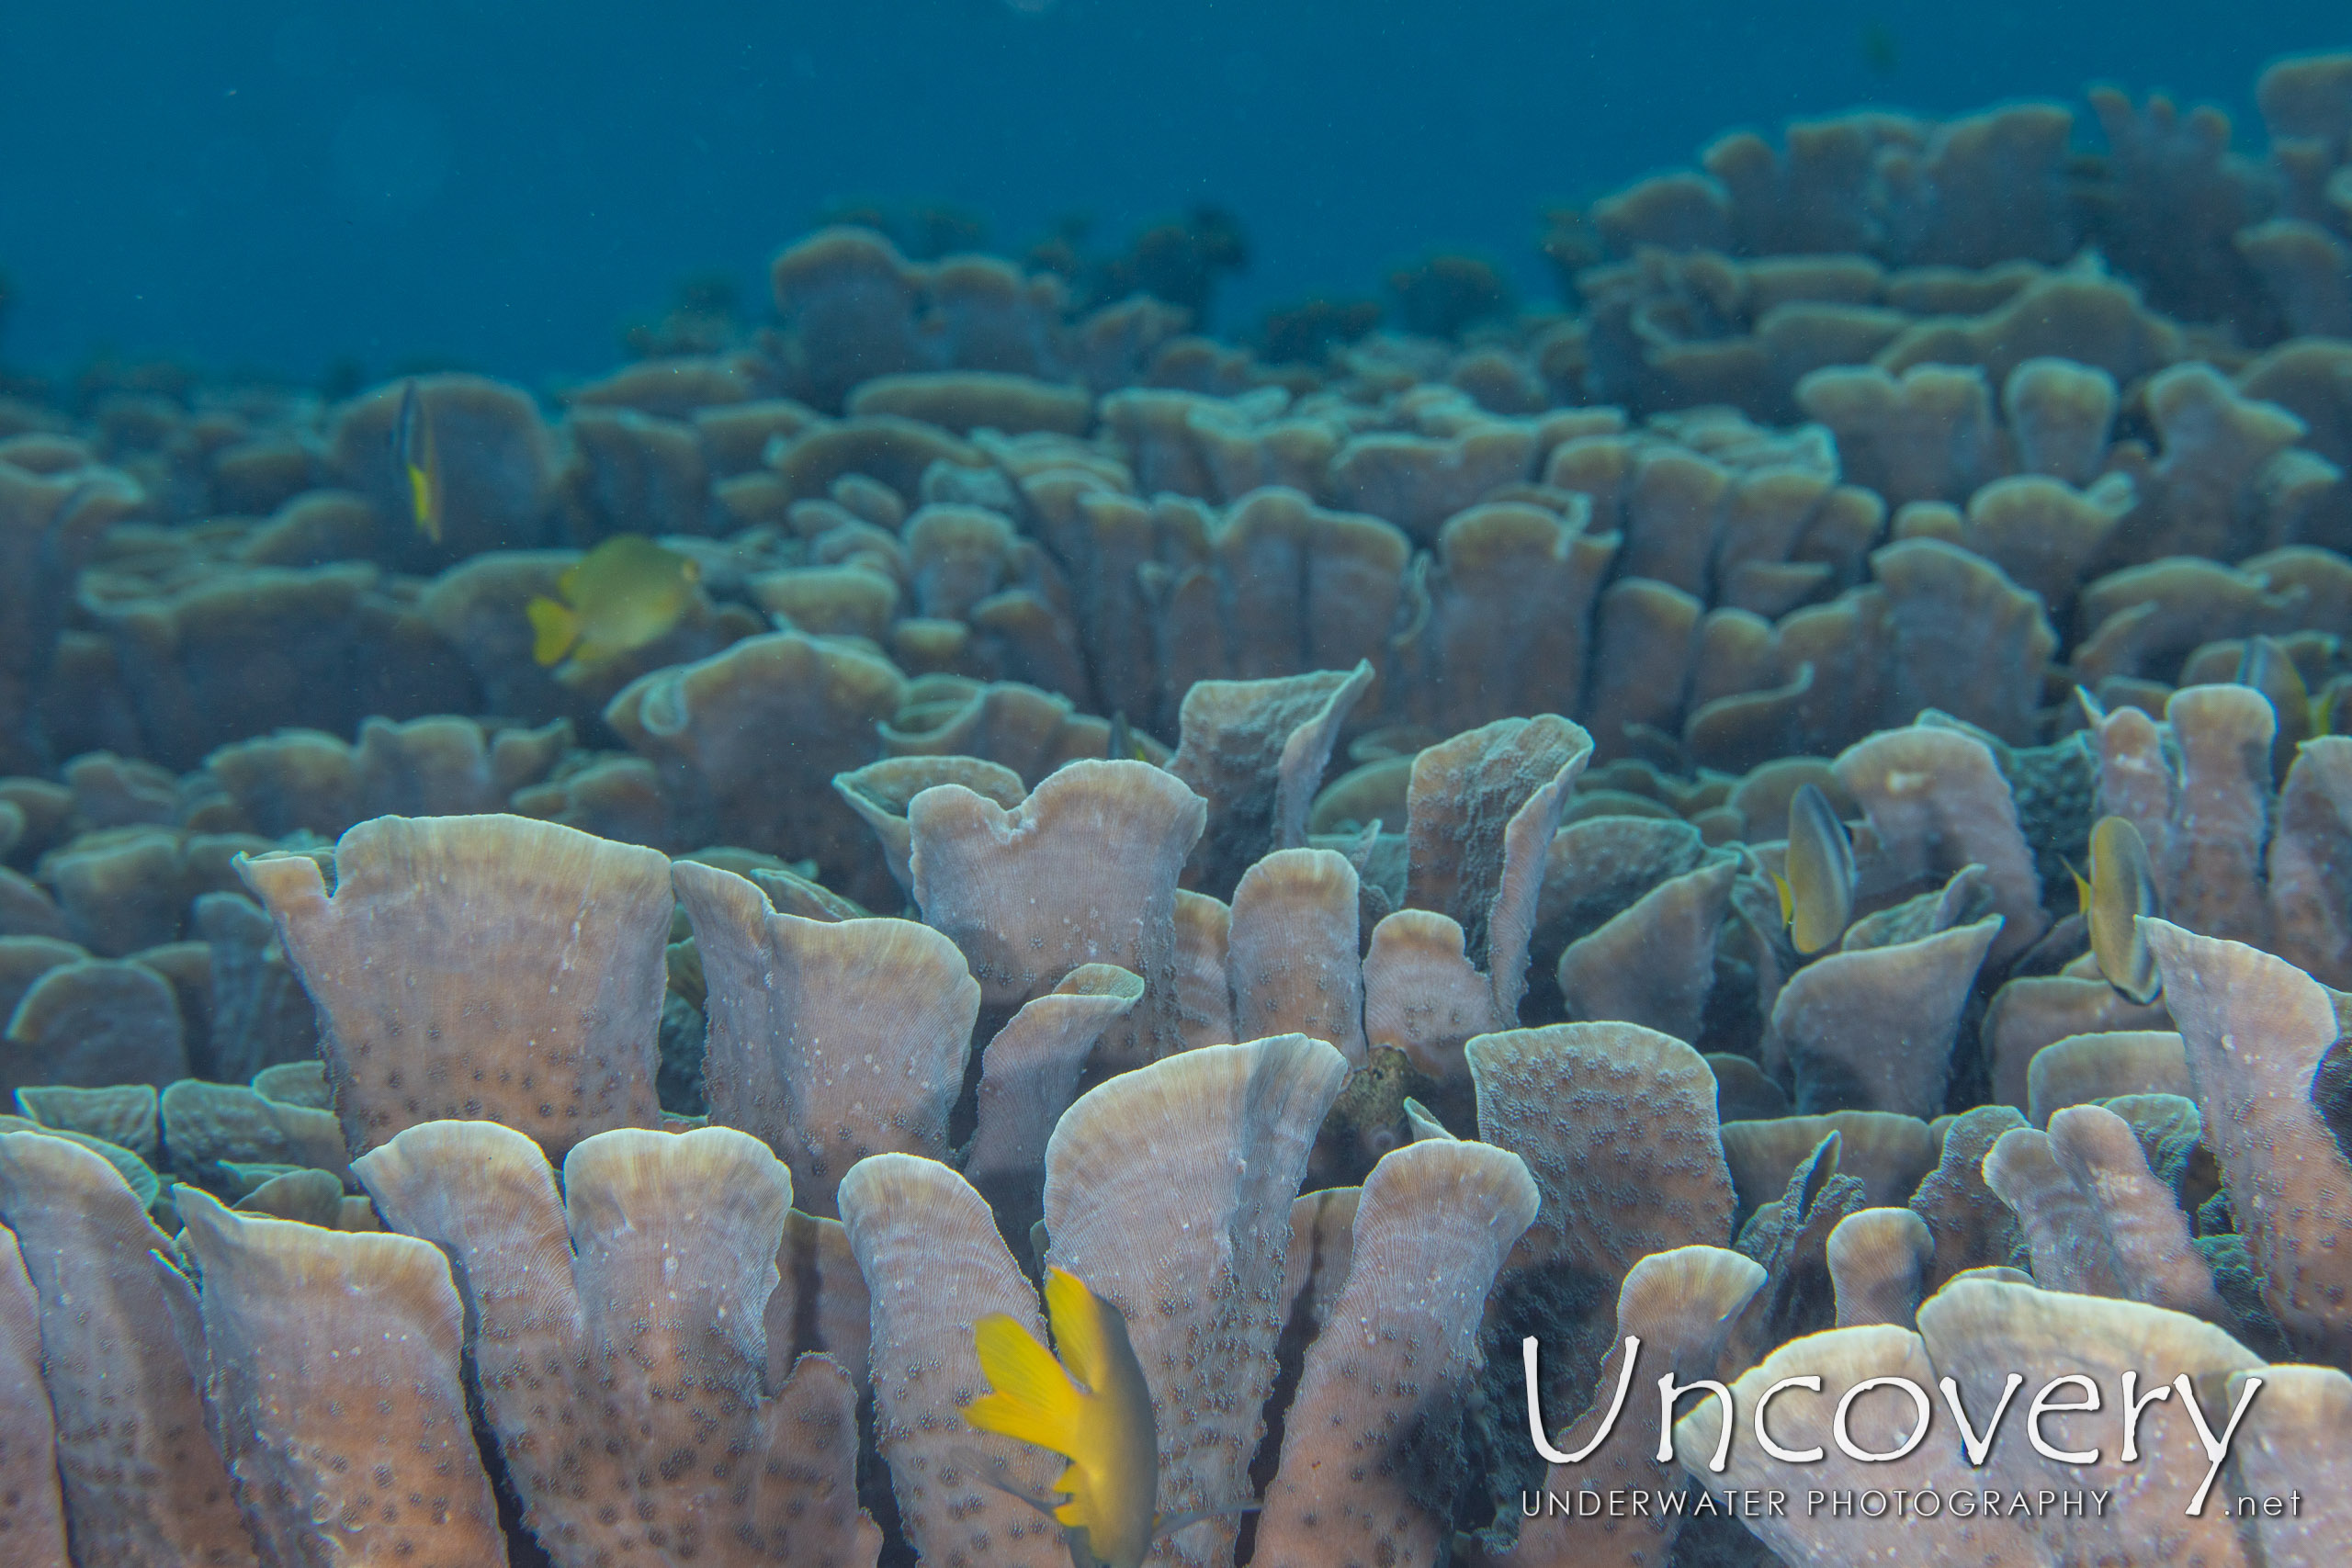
{"points": [[282, 186]]}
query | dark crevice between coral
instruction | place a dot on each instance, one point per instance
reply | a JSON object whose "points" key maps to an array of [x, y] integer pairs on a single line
{"points": [[1290, 1365], [964, 1117], [2057, 791], [1572, 1316], [1970, 1081], [874, 1495], [1732, 1023], [2332, 1085], [677, 1080], [523, 1548]]}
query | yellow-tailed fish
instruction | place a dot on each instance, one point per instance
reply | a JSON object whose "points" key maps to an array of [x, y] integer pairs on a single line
{"points": [[2267, 667], [625, 592], [1817, 894], [419, 461], [1122, 747], [2082, 889], [2122, 888], [1092, 1407]]}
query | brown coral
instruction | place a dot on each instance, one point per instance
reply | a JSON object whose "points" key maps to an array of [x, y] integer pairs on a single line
{"points": [[420, 1023], [649, 1322]]}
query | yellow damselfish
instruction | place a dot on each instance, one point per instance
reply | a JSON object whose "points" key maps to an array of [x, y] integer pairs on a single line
{"points": [[623, 594], [419, 461], [1092, 1407]]}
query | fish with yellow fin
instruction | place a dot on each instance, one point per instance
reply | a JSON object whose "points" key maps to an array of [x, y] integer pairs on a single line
{"points": [[1092, 1407], [1124, 746], [2324, 706], [2267, 667], [419, 461], [2270, 669], [623, 594], [2121, 887], [2081, 889], [1817, 890]]}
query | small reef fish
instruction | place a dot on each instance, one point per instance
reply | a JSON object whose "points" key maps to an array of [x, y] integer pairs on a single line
{"points": [[1123, 747], [419, 461], [1818, 892], [623, 594], [1092, 1407], [2122, 886], [2267, 667]]}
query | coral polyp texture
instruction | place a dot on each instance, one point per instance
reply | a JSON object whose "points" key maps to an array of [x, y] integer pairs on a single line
{"points": [[1783, 827]]}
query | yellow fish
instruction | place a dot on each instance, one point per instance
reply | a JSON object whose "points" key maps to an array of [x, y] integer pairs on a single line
{"points": [[1817, 894], [1092, 1407], [625, 592], [1125, 746], [2122, 886], [419, 461]]}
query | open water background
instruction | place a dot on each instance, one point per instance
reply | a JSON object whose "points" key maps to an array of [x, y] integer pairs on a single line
{"points": [[501, 184]]}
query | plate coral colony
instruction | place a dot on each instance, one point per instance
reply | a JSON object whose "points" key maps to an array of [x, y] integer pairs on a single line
{"points": [[1696, 929]]}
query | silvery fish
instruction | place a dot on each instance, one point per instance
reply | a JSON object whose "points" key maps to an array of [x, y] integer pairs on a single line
{"points": [[2122, 886], [1817, 888]]}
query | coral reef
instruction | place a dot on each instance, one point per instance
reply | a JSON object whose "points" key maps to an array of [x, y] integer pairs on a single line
{"points": [[1443, 873]]}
